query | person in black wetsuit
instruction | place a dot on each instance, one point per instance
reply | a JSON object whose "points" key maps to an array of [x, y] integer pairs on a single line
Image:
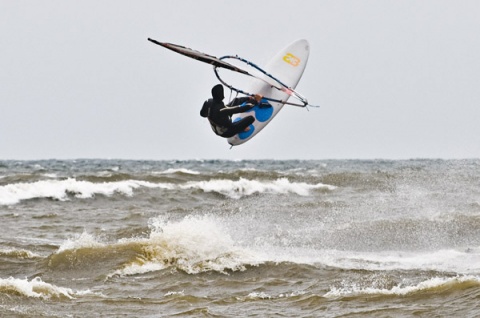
{"points": [[220, 116]]}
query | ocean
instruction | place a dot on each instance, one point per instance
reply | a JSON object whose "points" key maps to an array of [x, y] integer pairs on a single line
{"points": [[263, 238]]}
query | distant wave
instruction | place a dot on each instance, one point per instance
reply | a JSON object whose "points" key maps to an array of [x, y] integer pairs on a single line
{"points": [[264, 295], [244, 187], [178, 170], [18, 254], [61, 189]]}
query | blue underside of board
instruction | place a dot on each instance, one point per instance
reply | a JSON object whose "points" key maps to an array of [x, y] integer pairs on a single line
{"points": [[263, 112]]}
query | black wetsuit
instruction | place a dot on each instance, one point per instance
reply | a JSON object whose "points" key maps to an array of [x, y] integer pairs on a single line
{"points": [[220, 116]]}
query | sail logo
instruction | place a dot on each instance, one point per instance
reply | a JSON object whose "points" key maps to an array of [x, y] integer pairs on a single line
{"points": [[291, 59]]}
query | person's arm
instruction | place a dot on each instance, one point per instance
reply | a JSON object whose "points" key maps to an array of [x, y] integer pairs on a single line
{"points": [[240, 100], [241, 109], [251, 99], [236, 109]]}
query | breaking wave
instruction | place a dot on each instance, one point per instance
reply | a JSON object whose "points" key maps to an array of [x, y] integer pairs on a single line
{"points": [[434, 285], [244, 187], [178, 170], [192, 245], [18, 254], [36, 288], [62, 189]]}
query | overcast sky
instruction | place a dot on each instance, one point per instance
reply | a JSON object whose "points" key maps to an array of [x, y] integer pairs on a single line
{"points": [[395, 79]]}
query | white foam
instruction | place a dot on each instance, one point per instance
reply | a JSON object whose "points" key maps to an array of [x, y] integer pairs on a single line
{"points": [[18, 253], [173, 293], [432, 283], [462, 262], [201, 243], [244, 187], [34, 288], [137, 269], [195, 244], [264, 295], [179, 170], [60, 189], [259, 295], [84, 240], [442, 260]]}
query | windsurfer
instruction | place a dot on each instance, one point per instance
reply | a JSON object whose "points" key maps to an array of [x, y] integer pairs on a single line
{"points": [[220, 115]]}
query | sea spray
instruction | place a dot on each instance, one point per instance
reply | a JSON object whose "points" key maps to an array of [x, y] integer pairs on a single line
{"points": [[193, 245]]}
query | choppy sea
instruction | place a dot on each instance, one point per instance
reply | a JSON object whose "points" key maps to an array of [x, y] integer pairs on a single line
{"points": [[329, 238]]}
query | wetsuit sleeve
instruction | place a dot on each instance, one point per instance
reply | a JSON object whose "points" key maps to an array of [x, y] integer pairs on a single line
{"points": [[241, 100], [236, 109]]}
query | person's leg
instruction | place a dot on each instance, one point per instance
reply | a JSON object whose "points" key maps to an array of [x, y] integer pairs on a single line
{"points": [[243, 124], [239, 126]]}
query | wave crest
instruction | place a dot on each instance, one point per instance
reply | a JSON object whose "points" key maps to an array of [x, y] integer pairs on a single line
{"points": [[434, 285], [244, 187], [193, 245], [61, 189], [35, 288], [18, 254]]}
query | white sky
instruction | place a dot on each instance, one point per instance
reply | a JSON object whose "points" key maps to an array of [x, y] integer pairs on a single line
{"points": [[395, 79]]}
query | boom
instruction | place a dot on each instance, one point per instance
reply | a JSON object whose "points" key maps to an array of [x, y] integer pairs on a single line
{"points": [[220, 63]]}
